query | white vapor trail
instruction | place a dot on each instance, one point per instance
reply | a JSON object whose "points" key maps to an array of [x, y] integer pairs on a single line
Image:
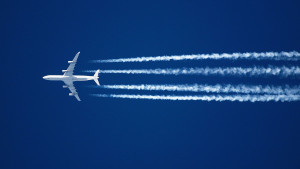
{"points": [[219, 98], [245, 89], [238, 71], [293, 56]]}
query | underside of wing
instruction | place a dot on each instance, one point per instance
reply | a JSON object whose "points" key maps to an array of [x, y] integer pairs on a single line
{"points": [[70, 70], [77, 97], [73, 90]]}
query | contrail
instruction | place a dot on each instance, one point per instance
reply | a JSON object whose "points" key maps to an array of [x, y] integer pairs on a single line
{"points": [[292, 56], [245, 89], [219, 98], [237, 71]]}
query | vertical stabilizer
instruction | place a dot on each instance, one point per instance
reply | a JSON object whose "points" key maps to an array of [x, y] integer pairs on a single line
{"points": [[96, 77]]}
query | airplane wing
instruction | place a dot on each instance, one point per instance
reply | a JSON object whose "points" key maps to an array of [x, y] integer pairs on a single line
{"points": [[73, 90], [71, 67]]}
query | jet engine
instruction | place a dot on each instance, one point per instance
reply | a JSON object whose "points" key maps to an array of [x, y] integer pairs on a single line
{"points": [[70, 61], [72, 94], [64, 71], [64, 86]]}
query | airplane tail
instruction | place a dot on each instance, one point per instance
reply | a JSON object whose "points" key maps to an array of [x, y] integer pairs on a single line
{"points": [[96, 77]]}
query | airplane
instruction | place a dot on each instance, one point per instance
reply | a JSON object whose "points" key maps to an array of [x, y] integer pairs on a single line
{"points": [[68, 78]]}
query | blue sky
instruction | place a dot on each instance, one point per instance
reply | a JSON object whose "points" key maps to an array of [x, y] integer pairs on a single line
{"points": [[42, 127]]}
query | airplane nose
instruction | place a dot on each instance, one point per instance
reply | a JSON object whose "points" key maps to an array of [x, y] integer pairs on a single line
{"points": [[44, 77]]}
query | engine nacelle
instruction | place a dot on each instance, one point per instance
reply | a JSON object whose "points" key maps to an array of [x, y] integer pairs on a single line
{"points": [[64, 86], [64, 71], [70, 61], [72, 94]]}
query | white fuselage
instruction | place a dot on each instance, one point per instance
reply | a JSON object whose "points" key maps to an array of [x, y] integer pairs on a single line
{"points": [[68, 78]]}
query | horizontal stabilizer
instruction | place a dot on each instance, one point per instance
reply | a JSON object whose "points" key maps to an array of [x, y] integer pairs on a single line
{"points": [[96, 77]]}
